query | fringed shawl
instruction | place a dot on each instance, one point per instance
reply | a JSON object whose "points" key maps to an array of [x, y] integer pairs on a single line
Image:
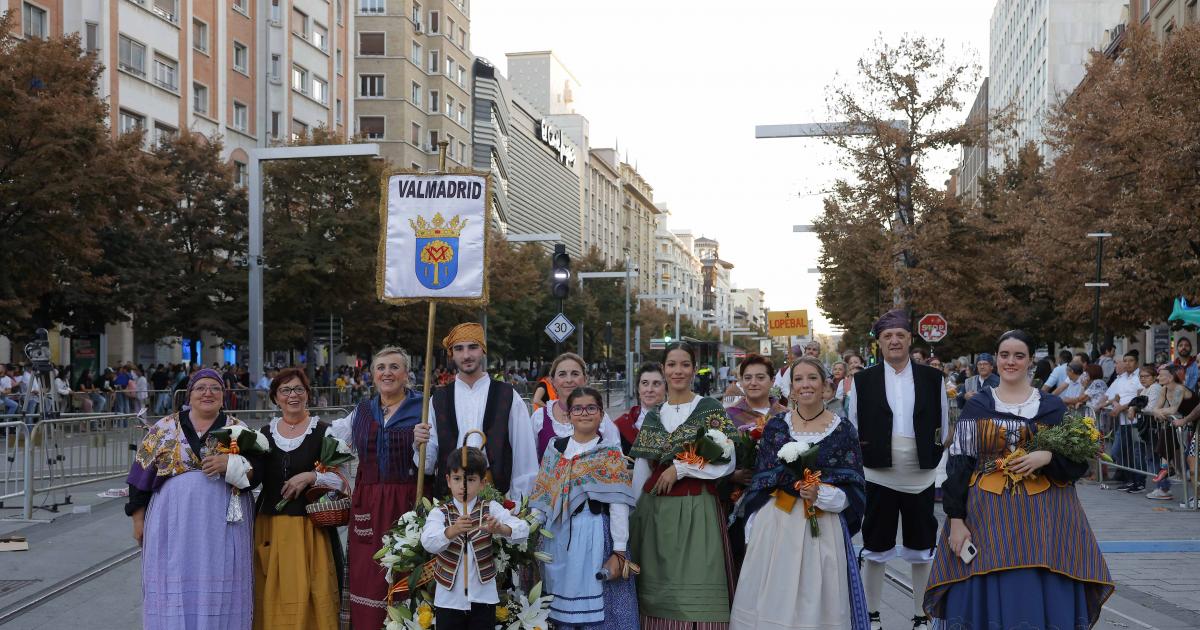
{"points": [[563, 484], [658, 446]]}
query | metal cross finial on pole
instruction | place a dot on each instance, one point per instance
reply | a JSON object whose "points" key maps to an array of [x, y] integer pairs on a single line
{"points": [[904, 210]]}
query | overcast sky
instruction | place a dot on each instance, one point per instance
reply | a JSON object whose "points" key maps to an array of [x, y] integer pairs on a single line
{"points": [[680, 85]]}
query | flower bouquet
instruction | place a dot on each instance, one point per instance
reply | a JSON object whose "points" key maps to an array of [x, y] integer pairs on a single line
{"points": [[745, 446], [711, 446], [801, 459], [1075, 438], [328, 507], [237, 439]]}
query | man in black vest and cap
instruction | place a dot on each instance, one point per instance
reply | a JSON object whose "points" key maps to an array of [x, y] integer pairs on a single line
{"points": [[474, 401], [902, 415]]}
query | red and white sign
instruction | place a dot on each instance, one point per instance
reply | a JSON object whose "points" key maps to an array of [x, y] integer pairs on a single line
{"points": [[933, 328]]}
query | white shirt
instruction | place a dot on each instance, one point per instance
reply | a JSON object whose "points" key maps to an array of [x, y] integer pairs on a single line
{"points": [[433, 539], [469, 404], [1124, 388], [608, 430], [672, 416], [6, 385], [264, 383], [641, 418], [618, 513], [287, 445], [1057, 376], [905, 475]]}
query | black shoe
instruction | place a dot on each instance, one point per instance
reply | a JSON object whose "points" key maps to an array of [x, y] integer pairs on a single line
{"points": [[1125, 486], [921, 622], [1137, 487], [876, 624]]}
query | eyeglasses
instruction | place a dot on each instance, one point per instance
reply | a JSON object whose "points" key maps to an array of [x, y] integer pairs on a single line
{"points": [[287, 392], [579, 410], [209, 389]]}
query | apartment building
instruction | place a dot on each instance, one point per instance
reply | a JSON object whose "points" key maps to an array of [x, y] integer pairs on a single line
{"points": [[677, 271], [412, 80], [602, 221], [639, 222]]}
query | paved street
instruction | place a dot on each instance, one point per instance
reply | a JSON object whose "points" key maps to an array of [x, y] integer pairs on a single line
{"points": [[1156, 588]]}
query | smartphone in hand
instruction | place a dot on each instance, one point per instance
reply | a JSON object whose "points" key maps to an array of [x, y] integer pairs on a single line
{"points": [[968, 552]]}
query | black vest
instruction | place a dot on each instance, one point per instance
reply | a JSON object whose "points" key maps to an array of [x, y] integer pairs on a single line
{"points": [[495, 427], [875, 416], [282, 466]]}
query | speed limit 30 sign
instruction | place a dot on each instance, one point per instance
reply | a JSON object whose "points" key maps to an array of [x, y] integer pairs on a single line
{"points": [[560, 328]]}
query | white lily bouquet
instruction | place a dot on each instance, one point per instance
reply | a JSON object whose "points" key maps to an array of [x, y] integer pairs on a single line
{"points": [[237, 439]]}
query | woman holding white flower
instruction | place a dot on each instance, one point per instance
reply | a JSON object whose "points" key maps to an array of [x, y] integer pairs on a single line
{"points": [[678, 530], [179, 499], [800, 570], [584, 492], [380, 431], [296, 563]]}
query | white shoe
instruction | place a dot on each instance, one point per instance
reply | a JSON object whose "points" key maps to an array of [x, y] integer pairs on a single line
{"points": [[1158, 494]]}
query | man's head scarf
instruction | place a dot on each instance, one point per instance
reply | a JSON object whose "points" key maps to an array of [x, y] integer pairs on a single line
{"points": [[896, 318], [469, 332], [983, 356]]}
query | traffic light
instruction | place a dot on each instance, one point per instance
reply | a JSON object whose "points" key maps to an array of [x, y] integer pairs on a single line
{"points": [[560, 272]]}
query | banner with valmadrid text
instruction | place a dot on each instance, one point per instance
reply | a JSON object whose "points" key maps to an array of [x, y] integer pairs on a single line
{"points": [[433, 238]]}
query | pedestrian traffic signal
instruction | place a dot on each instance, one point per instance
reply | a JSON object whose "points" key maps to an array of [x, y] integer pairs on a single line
{"points": [[560, 273]]}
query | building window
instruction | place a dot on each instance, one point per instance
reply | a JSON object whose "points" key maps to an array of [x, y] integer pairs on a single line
{"points": [[320, 37], [433, 140], [337, 112], [276, 67], [299, 130], [240, 6], [165, 9], [370, 85], [199, 98], [415, 135], [241, 116], [132, 56], [299, 79], [241, 57], [462, 115], [372, 7], [416, 94], [129, 121], [434, 22], [200, 36], [462, 151], [241, 174], [416, 14], [162, 133], [450, 66], [371, 127], [320, 90], [276, 12], [434, 61], [275, 124], [34, 20], [450, 146], [462, 74], [435, 102], [91, 37], [337, 62], [462, 38], [300, 23], [371, 44], [166, 73], [450, 106]]}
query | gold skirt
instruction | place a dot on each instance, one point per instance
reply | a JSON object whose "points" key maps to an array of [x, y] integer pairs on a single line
{"points": [[295, 585]]}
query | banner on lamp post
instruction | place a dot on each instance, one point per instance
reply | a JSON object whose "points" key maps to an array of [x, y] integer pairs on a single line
{"points": [[433, 238]]}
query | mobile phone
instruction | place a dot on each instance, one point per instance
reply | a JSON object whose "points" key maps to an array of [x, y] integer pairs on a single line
{"points": [[968, 552]]}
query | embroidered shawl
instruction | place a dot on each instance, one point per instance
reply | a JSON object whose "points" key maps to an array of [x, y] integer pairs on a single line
{"points": [[658, 446], [839, 459], [164, 453], [745, 418], [563, 484]]}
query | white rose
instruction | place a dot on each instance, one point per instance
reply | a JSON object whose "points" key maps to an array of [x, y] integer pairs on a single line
{"points": [[235, 431], [790, 452]]}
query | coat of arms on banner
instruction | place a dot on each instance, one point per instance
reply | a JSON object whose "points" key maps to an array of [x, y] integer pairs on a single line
{"points": [[437, 250], [433, 237]]}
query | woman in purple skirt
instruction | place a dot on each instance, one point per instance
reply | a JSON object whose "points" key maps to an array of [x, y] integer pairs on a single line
{"points": [[197, 568]]}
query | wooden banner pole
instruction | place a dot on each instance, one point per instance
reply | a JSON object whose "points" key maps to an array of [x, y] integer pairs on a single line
{"points": [[427, 390]]}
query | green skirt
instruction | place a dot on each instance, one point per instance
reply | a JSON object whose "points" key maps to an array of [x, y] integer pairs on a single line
{"points": [[681, 545]]}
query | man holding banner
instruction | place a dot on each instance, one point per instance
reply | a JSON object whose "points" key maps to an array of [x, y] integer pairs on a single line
{"points": [[475, 402]]}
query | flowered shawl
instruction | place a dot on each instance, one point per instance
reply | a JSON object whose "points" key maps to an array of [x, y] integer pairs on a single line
{"points": [[658, 446], [839, 460], [164, 453], [745, 418], [562, 484]]}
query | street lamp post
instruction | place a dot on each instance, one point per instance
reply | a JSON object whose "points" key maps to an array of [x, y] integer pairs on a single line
{"points": [[627, 275], [1098, 284], [254, 172]]}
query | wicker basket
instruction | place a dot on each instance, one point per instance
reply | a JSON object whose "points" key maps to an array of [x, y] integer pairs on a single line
{"points": [[334, 513]]}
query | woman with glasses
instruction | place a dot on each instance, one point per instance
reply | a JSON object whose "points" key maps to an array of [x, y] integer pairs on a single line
{"points": [[296, 563], [651, 391], [380, 432], [678, 530], [197, 570], [567, 373], [584, 492]]}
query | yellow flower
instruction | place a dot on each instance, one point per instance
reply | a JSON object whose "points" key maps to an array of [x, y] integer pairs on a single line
{"points": [[501, 613], [425, 615]]}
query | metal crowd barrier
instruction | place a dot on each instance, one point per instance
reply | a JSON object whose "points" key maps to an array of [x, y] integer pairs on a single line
{"points": [[1147, 446]]}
